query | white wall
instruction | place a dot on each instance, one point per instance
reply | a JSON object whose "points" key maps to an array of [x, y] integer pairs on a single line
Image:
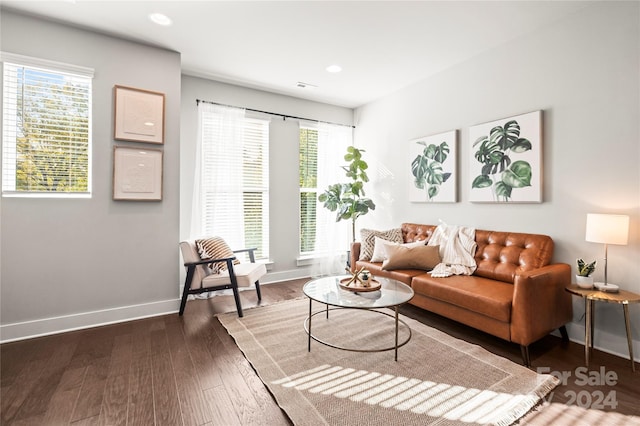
{"points": [[583, 72], [69, 263], [283, 146]]}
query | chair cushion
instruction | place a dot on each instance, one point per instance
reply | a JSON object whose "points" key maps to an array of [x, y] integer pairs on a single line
{"points": [[246, 275], [215, 248]]}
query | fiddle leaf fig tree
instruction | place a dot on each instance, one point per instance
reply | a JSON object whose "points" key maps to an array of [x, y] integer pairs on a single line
{"points": [[348, 199]]}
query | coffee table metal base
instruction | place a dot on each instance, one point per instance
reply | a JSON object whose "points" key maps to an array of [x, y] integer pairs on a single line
{"points": [[398, 321]]}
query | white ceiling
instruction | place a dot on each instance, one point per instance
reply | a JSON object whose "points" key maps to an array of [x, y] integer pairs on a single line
{"points": [[382, 46]]}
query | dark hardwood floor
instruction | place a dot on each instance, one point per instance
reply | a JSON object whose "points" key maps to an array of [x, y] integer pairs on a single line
{"points": [[172, 371]]}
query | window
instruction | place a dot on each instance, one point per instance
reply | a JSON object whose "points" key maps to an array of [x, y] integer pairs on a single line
{"points": [[322, 148], [46, 148], [234, 178], [308, 189]]}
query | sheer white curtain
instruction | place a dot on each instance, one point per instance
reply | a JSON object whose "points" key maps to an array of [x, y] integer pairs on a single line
{"points": [[333, 238], [217, 190]]}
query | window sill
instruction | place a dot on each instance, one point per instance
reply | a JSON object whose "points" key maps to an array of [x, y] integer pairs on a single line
{"points": [[315, 259]]}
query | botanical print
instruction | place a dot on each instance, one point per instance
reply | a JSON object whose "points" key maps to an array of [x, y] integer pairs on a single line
{"points": [[506, 163], [433, 168]]}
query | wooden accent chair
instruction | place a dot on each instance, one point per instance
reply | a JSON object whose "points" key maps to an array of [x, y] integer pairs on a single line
{"points": [[201, 278]]}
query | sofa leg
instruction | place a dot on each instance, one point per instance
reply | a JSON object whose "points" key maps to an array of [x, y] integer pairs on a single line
{"points": [[525, 355], [564, 334]]}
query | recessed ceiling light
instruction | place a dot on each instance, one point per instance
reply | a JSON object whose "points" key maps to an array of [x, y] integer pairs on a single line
{"points": [[160, 19], [334, 68]]}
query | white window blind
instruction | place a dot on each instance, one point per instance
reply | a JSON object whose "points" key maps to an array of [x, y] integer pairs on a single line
{"points": [[46, 130], [234, 179], [322, 149], [308, 169]]}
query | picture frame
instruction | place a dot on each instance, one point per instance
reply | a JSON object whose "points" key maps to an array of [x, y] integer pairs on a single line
{"points": [[138, 115], [137, 174], [505, 164], [433, 168]]}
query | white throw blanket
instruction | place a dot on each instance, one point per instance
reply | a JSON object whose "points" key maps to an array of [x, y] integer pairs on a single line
{"points": [[457, 250]]}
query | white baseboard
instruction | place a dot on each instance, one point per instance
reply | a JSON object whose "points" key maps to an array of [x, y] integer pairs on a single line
{"points": [[55, 325], [278, 277], [61, 324], [605, 341]]}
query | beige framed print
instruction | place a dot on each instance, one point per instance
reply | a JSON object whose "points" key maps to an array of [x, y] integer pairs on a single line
{"points": [[137, 174], [139, 115]]}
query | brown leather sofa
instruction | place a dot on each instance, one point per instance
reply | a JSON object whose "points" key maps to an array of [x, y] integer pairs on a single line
{"points": [[515, 292]]}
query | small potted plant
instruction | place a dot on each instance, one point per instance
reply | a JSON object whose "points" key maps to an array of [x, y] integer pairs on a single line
{"points": [[583, 277]]}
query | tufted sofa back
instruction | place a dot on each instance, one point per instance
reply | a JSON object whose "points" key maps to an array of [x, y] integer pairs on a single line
{"points": [[500, 255]]}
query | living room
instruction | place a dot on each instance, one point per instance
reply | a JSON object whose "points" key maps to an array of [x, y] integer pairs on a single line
{"points": [[69, 264]]}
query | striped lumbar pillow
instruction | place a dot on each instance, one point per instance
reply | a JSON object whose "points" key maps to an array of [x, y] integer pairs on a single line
{"points": [[215, 248]]}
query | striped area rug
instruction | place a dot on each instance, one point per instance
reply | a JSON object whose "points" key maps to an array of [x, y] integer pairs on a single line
{"points": [[437, 380]]}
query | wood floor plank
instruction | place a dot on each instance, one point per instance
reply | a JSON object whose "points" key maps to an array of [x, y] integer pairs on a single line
{"points": [[206, 368], [113, 410], [247, 408], [121, 355], [115, 400], [92, 390], [194, 409], [60, 407], [269, 413], [15, 395], [38, 399], [165, 392], [140, 410], [222, 412]]}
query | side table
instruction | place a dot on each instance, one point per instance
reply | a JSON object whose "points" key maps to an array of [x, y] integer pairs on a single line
{"points": [[594, 295]]}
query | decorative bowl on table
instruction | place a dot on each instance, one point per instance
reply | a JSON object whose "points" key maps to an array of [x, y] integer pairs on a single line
{"points": [[357, 286]]}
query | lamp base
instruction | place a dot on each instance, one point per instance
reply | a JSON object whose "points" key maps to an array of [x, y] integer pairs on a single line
{"points": [[607, 288]]}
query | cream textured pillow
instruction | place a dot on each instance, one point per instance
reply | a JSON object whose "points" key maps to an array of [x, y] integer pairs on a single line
{"points": [[367, 240], [421, 257], [215, 248], [380, 248]]}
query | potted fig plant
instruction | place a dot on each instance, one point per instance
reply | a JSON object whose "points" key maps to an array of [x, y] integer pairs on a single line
{"points": [[348, 199], [583, 277]]}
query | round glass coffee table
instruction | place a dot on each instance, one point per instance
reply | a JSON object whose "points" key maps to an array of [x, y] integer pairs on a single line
{"points": [[327, 290]]}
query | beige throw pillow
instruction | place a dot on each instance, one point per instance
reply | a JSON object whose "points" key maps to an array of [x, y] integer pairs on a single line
{"points": [[367, 240], [380, 248], [215, 248], [421, 257]]}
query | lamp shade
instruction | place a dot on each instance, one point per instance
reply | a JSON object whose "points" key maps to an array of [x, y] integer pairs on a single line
{"points": [[607, 228]]}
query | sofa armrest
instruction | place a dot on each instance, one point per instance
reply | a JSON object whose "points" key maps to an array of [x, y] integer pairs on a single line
{"points": [[354, 255], [540, 303]]}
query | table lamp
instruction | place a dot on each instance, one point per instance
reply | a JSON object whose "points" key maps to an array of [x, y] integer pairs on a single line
{"points": [[607, 229]]}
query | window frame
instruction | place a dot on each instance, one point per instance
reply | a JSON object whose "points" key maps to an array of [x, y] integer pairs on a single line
{"points": [[9, 136], [251, 124]]}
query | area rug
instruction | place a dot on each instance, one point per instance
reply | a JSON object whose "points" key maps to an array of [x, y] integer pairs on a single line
{"points": [[437, 379]]}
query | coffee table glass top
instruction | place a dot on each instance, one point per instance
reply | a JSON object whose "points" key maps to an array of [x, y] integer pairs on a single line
{"points": [[327, 290]]}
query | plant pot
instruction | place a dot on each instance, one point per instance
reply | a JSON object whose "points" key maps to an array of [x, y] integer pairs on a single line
{"points": [[584, 282]]}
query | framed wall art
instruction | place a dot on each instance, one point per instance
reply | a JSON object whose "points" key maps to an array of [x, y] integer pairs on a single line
{"points": [[139, 115], [506, 160], [137, 174], [433, 175]]}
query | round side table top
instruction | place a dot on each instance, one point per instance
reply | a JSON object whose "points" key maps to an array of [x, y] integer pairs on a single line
{"points": [[622, 296]]}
